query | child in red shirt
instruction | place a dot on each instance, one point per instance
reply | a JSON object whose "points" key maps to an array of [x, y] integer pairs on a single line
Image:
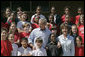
{"points": [[6, 47], [5, 17], [26, 31], [81, 27], [13, 30], [36, 21], [51, 22], [79, 49], [67, 12], [80, 11]]}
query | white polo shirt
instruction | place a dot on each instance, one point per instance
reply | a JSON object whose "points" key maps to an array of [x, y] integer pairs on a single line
{"points": [[23, 50], [15, 49], [39, 52]]}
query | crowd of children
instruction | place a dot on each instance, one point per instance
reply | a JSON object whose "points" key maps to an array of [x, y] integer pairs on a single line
{"points": [[53, 36]]}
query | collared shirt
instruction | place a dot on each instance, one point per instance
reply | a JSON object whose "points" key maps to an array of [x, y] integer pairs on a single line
{"points": [[39, 33], [15, 49], [23, 50], [39, 52], [41, 17], [67, 45]]}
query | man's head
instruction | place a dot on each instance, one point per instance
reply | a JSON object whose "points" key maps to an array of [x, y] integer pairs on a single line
{"points": [[42, 23]]}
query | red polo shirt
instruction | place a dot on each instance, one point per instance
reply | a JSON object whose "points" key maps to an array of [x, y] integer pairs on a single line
{"points": [[77, 19], [63, 19], [6, 48], [79, 51], [81, 32]]}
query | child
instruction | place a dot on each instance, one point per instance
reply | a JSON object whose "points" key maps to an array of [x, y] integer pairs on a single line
{"points": [[14, 46], [19, 13], [12, 18], [66, 41], [40, 51], [26, 32], [79, 49], [23, 21], [13, 30], [38, 12], [51, 22], [80, 11], [68, 21], [24, 50], [67, 12], [57, 19], [6, 47], [81, 27], [5, 17], [36, 21], [52, 48], [74, 32]]}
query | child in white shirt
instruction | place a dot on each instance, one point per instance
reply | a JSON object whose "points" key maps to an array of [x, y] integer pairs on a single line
{"points": [[14, 46], [24, 50], [39, 51]]}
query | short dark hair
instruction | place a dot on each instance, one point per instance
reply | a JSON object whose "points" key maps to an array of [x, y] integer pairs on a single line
{"points": [[79, 37], [67, 7], [39, 40], [24, 39], [4, 29]]}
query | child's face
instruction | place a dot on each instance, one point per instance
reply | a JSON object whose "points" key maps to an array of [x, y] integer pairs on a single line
{"points": [[51, 19], [66, 11], [4, 35], [39, 44], [64, 31], [24, 43], [82, 20], [79, 11], [13, 27], [38, 11], [11, 38], [36, 19], [19, 13], [66, 19], [8, 12], [74, 29], [12, 15], [24, 17], [26, 28], [53, 10], [78, 42], [52, 37]]}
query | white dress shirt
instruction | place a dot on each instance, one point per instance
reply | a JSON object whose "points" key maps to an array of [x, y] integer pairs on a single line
{"points": [[15, 49], [67, 45], [39, 33], [41, 17], [23, 50], [39, 52]]}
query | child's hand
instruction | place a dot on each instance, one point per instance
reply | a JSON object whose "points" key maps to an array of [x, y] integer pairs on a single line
{"points": [[46, 48], [58, 45], [34, 48]]}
